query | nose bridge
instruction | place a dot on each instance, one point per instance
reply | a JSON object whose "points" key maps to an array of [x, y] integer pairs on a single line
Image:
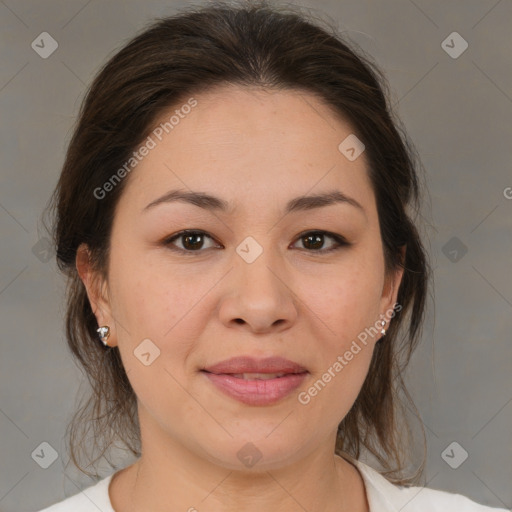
{"points": [[260, 298], [258, 266]]}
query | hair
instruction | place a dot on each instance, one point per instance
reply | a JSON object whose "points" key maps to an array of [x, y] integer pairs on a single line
{"points": [[252, 44]]}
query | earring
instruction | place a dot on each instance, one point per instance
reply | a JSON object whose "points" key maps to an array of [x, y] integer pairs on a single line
{"points": [[383, 331], [104, 333]]}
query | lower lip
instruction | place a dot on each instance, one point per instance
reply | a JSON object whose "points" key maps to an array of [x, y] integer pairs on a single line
{"points": [[257, 392]]}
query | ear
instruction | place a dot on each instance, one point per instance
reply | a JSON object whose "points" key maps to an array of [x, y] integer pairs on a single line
{"points": [[97, 291], [391, 286]]}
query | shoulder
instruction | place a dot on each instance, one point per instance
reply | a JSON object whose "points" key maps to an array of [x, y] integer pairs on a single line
{"points": [[384, 496], [419, 499], [91, 499]]}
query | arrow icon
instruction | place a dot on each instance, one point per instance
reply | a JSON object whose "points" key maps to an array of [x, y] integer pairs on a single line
{"points": [[351, 147], [146, 352], [249, 455], [44, 455], [454, 455], [44, 45], [454, 45], [249, 253], [454, 249]]}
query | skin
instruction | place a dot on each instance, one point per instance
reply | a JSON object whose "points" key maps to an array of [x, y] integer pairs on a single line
{"points": [[256, 149]]}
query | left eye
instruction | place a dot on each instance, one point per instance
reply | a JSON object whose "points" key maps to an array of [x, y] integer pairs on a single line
{"points": [[193, 241], [315, 238]]}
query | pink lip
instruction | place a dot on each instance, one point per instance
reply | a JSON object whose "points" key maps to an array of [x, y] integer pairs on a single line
{"points": [[247, 364], [256, 392]]}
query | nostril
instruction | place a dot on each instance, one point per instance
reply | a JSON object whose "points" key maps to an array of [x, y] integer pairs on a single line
{"points": [[239, 321]]}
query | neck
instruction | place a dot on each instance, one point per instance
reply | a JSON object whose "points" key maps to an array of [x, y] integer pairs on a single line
{"points": [[169, 477]]}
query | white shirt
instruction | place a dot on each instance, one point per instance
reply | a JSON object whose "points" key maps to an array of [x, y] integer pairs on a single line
{"points": [[382, 495]]}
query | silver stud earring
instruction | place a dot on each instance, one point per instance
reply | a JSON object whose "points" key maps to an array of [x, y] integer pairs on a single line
{"points": [[104, 332], [383, 331]]}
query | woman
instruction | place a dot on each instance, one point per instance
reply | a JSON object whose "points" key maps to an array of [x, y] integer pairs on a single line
{"points": [[233, 219]]}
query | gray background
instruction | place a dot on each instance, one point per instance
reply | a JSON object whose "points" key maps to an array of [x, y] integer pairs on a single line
{"points": [[458, 112]]}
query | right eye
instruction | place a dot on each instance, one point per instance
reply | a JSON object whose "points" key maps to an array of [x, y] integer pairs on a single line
{"points": [[192, 241]]}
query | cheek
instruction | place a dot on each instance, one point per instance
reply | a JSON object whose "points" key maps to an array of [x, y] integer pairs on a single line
{"points": [[153, 320], [349, 305], [145, 298], [333, 390], [349, 300], [166, 309]]}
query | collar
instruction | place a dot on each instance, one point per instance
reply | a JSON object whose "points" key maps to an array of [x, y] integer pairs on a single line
{"points": [[382, 495]]}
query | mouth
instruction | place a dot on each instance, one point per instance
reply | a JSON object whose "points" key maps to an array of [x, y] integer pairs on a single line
{"points": [[256, 368], [256, 376], [256, 391], [256, 382]]}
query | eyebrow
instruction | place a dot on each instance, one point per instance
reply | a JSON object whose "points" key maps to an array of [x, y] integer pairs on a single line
{"points": [[302, 203]]}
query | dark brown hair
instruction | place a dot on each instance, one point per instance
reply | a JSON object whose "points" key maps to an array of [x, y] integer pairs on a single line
{"points": [[249, 44]]}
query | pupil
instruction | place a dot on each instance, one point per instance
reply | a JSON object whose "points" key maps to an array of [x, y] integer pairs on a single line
{"points": [[318, 240], [192, 245]]}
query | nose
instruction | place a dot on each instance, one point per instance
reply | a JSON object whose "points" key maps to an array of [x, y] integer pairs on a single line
{"points": [[259, 298]]}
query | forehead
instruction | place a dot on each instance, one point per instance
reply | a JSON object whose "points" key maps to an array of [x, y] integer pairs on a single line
{"points": [[239, 142]]}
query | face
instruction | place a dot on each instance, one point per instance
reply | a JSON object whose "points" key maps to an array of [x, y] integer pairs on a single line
{"points": [[254, 279]]}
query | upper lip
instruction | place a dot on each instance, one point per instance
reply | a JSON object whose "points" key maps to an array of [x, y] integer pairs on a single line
{"points": [[247, 364]]}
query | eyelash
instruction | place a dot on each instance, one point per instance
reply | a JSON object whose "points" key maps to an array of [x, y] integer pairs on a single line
{"points": [[340, 241]]}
